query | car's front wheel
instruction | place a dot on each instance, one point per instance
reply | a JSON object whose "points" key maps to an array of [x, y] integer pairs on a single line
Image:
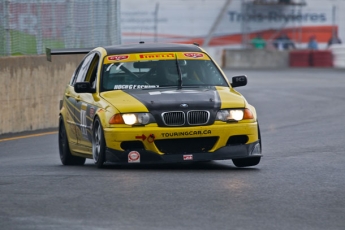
{"points": [[98, 143], [65, 153]]}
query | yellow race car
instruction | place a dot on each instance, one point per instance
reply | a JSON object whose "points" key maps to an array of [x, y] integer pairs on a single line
{"points": [[146, 103]]}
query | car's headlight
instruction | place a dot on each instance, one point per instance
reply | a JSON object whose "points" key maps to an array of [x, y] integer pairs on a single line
{"points": [[132, 119], [234, 115]]}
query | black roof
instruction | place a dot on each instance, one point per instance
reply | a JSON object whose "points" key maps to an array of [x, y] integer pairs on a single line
{"points": [[151, 47]]}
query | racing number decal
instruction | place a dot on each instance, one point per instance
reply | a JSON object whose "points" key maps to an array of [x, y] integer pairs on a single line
{"points": [[83, 124]]}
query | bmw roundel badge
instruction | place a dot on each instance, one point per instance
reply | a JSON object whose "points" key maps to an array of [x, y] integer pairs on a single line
{"points": [[184, 105]]}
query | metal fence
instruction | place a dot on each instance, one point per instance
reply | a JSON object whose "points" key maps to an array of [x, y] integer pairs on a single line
{"points": [[28, 26]]}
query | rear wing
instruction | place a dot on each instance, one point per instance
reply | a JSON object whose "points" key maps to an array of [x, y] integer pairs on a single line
{"points": [[50, 52]]}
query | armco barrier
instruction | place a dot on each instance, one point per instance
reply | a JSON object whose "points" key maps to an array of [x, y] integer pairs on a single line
{"points": [[30, 91]]}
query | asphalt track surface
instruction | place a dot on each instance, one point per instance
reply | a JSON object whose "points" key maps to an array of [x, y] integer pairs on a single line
{"points": [[299, 184]]}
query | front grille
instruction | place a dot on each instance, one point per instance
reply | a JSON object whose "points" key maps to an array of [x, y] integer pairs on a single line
{"points": [[178, 118], [198, 117], [173, 118], [186, 145]]}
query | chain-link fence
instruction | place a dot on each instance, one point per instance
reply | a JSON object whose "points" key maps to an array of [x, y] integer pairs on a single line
{"points": [[28, 26]]}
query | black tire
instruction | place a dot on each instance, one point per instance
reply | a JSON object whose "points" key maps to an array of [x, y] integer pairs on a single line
{"points": [[98, 144], [246, 162], [65, 154]]}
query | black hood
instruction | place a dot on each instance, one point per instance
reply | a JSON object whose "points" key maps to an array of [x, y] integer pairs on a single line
{"points": [[161, 100]]}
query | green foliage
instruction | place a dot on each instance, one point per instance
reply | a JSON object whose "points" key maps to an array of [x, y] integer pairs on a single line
{"points": [[26, 44]]}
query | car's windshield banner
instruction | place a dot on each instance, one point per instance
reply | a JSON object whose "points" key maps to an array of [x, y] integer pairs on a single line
{"points": [[155, 56]]}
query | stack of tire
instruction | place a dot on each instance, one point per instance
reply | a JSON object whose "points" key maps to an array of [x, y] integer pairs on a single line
{"points": [[338, 51], [311, 58], [321, 58], [299, 58]]}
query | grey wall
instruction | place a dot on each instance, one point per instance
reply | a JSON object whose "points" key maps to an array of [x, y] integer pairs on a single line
{"points": [[30, 91]]}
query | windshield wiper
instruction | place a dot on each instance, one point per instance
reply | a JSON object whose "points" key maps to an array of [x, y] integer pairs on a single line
{"points": [[179, 74]]}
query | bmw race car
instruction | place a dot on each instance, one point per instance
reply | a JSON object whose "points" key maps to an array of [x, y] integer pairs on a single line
{"points": [[146, 103]]}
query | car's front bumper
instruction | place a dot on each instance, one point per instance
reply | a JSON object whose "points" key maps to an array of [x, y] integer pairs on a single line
{"points": [[227, 152]]}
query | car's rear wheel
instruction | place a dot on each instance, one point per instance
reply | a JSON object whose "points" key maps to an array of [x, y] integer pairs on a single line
{"points": [[65, 153], [98, 144]]}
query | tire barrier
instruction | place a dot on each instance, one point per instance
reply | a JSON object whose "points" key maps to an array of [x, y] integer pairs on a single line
{"points": [[299, 58], [311, 58], [321, 58]]}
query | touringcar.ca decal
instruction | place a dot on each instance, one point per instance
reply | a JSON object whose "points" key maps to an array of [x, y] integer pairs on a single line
{"points": [[186, 133]]}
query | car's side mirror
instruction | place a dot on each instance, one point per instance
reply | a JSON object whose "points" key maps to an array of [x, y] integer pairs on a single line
{"points": [[83, 87], [239, 81]]}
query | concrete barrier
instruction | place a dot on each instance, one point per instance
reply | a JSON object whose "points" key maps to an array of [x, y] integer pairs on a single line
{"points": [[251, 58], [30, 91]]}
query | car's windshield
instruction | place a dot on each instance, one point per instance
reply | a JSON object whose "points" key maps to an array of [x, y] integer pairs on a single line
{"points": [[160, 73]]}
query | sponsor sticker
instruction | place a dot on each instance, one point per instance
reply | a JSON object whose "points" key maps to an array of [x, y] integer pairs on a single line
{"points": [[188, 157], [92, 112], [187, 133], [133, 157], [193, 55], [158, 56], [118, 57], [135, 86]]}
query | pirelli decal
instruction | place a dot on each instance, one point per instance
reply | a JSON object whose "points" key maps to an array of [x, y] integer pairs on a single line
{"points": [[186, 133], [156, 56]]}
